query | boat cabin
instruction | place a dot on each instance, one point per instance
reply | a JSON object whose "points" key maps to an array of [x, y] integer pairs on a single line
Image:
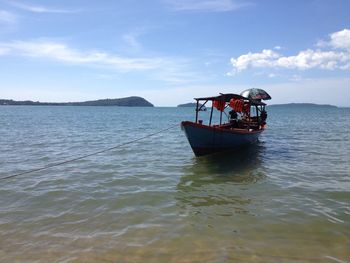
{"points": [[236, 112]]}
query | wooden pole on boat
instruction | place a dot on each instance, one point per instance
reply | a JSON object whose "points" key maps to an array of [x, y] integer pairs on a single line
{"points": [[249, 115], [197, 111], [220, 115], [211, 113]]}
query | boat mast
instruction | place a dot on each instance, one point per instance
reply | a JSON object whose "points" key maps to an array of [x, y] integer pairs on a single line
{"points": [[197, 111], [222, 101], [220, 117], [249, 113], [211, 113]]}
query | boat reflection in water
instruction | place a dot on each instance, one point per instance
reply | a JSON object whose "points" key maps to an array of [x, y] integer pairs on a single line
{"points": [[221, 181]]}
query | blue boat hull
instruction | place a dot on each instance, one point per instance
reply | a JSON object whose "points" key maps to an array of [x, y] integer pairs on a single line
{"points": [[208, 139]]}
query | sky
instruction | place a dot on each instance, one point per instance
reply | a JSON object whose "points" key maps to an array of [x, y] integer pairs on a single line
{"points": [[170, 51]]}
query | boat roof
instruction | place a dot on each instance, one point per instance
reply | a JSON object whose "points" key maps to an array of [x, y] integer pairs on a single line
{"points": [[228, 96]]}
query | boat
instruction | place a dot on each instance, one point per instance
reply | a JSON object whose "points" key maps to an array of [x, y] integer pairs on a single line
{"points": [[242, 118]]}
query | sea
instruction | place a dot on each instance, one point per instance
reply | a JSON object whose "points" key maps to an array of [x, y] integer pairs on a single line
{"points": [[149, 199]]}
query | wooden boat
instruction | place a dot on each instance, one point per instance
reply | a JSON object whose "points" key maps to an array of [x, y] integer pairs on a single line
{"points": [[245, 122]]}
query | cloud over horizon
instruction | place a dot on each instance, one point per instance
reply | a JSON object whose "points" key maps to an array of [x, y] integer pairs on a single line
{"points": [[61, 52], [167, 69], [338, 57]]}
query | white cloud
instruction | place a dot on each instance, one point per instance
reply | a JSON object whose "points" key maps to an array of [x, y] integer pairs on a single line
{"points": [[263, 59], [309, 59], [341, 39], [40, 9], [7, 17], [206, 5], [167, 69], [304, 60], [61, 52]]}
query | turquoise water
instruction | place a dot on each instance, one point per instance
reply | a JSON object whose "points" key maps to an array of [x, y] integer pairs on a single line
{"points": [[286, 199]]}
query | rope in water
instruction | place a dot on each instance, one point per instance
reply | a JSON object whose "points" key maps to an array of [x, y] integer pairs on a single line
{"points": [[88, 155]]}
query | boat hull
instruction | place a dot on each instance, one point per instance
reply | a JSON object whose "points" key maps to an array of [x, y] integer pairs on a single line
{"points": [[208, 139]]}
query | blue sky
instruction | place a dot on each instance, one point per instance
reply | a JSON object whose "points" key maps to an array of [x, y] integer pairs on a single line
{"points": [[169, 51]]}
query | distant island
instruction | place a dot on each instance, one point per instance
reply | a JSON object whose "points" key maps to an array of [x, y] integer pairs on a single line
{"points": [[302, 105], [129, 102], [190, 104]]}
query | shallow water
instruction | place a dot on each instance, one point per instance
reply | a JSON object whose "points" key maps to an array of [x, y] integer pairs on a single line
{"points": [[286, 199]]}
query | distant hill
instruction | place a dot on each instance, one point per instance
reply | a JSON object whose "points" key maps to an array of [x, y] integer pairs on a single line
{"points": [[190, 104], [129, 102], [302, 105]]}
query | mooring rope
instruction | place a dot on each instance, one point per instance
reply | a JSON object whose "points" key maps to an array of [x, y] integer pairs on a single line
{"points": [[88, 155]]}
